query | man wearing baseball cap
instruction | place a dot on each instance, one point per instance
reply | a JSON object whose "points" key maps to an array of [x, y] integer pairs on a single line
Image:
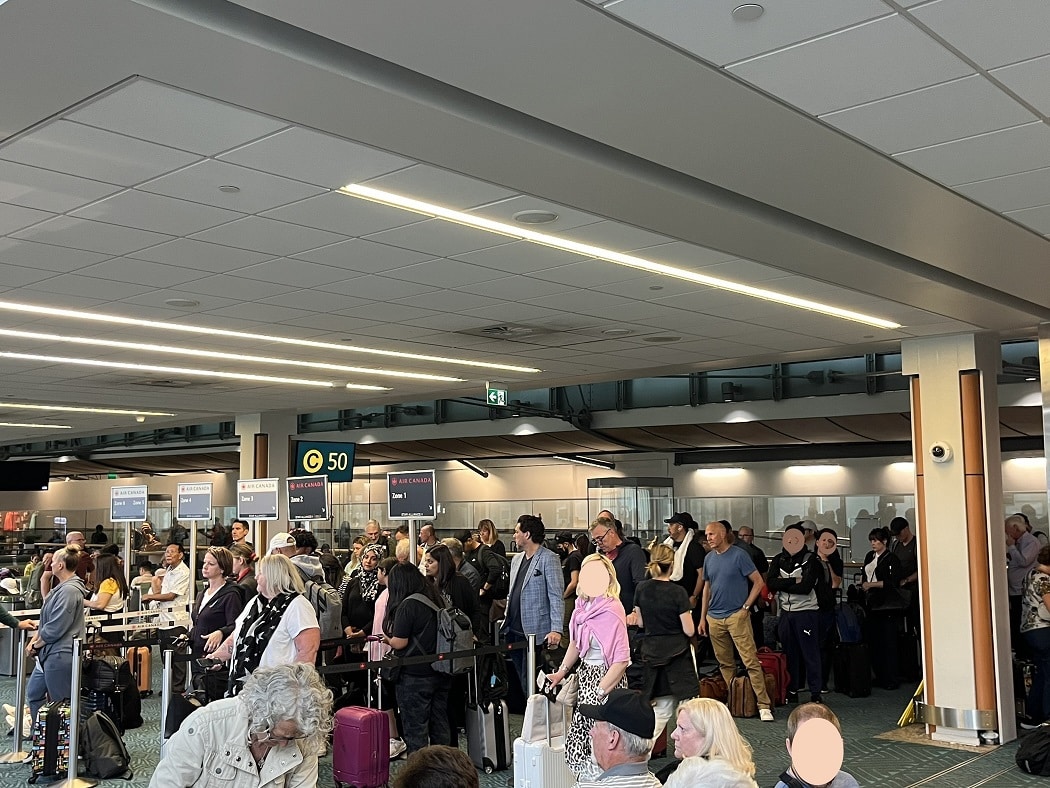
{"points": [[621, 739], [283, 543]]}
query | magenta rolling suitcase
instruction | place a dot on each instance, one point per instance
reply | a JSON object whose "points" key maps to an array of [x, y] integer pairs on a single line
{"points": [[361, 747]]}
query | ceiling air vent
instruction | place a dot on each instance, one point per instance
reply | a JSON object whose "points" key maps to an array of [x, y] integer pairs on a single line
{"points": [[167, 383], [510, 331]]}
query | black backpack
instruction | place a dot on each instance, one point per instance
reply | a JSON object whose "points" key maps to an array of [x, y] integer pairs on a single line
{"points": [[1033, 754], [104, 751], [501, 588]]}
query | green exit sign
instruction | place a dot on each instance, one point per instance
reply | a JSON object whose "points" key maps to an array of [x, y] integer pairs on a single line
{"points": [[496, 396]]}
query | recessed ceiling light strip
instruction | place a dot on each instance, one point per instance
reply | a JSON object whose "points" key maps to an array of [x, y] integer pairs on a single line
{"points": [[76, 314], [481, 223], [209, 373], [181, 351], [76, 409], [37, 426]]}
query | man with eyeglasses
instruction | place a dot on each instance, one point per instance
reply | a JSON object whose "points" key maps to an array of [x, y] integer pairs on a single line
{"points": [[628, 559], [535, 604]]}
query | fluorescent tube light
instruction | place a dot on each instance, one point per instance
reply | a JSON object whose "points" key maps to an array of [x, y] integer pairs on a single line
{"points": [[75, 409], [585, 461], [76, 314], [37, 426], [181, 351], [208, 373], [630, 261]]}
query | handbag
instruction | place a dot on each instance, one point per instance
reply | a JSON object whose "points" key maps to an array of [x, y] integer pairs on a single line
{"points": [[890, 600], [390, 672], [543, 719], [566, 693]]}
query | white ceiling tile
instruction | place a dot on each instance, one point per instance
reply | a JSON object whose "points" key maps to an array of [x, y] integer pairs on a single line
{"points": [[12, 276], [435, 185], [392, 331], [648, 287], [171, 117], [504, 211], [343, 214], [516, 287], [330, 323], [272, 313], [439, 238], [445, 273], [318, 300], [93, 153], [385, 313], [852, 67], [683, 254], [148, 303], [709, 30], [744, 271], [1036, 218], [316, 158], [514, 312], [259, 191], [285, 271], [15, 217], [521, 257], [443, 301], [378, 288], [949, 111], [589, 272], [91, 236], [234, 287], [985, 156], [140, 272], [266, 235], [367, 257], [201, 256], [595, 304], [1011, 192], [449, 322], [46, 256], [87, 287], [992, 34], [615, 237], [155, 212], [33, 187], [1030, 80]]}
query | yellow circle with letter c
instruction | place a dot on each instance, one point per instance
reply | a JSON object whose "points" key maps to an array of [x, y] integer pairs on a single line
{"points": [[312, 461]]}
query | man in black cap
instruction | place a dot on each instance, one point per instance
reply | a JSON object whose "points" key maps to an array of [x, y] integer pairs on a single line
{"points": [[621, 738], [688, 555]]}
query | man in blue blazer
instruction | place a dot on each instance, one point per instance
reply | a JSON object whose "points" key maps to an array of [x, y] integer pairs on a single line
{"points": [[534, 605]]}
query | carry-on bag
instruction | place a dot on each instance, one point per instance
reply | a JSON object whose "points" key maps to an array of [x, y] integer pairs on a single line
{"points": [[714, 687], [851, 669], [774, 663], [50, 748], [140, 658], [361, 746], [540, 760], [742, 700], [488, 731]]}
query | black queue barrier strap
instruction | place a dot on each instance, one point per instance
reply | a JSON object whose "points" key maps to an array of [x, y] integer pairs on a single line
{"points": [[424, 659]]}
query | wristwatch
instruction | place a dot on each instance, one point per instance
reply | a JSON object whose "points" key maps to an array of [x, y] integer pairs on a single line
{"points": [[745, 607], [600, 692]]}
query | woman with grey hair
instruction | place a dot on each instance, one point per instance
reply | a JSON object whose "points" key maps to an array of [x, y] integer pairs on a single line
{"points": [[268, 736], [277, 627]]}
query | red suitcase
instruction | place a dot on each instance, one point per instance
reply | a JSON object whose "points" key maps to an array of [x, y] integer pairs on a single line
{"points": [[774, 663], [361, 747]]}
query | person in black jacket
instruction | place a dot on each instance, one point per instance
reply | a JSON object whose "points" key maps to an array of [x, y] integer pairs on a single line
{"points": [[881, 578], [215, 611], [794, 575], [490, 567]]}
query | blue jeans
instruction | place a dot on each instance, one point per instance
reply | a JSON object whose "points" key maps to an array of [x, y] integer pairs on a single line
{"points": [[53, 678], [1038, 702], [423, 701]]}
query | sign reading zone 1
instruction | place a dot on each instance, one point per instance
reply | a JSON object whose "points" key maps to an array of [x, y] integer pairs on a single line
{"points": [[410, 494], [334, 460]]}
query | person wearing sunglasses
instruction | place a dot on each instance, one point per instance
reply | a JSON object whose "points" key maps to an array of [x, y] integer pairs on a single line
{"points": [[269, 735]]}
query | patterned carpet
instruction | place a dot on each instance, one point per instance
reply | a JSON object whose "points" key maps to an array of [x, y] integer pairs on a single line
{"points": [[875, 762]]}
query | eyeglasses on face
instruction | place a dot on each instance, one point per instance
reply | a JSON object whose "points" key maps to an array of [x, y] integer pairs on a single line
{"points": [[597, 538], [274, 738]]}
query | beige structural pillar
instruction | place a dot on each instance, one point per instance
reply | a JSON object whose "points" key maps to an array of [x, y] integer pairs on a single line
{"points": [[265, 446], [962, 550]]}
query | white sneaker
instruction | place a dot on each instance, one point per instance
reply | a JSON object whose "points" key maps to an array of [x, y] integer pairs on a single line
{"points": [[766, 715], [397, 749]]}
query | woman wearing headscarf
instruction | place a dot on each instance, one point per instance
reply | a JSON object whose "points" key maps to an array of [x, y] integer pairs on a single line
{"points": [[277, 627], [359, 591], [598, 641]]}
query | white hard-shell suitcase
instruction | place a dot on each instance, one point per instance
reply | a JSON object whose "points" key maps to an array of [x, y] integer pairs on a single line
{"points": [[541, 764]]}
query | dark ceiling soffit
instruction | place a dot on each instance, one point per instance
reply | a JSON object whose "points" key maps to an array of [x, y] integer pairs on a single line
{"points": [[830, 451]]}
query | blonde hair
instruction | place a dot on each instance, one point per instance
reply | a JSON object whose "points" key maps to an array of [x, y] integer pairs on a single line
{"points": [[280, 574], [661, 560], [714, 773], [613, 591], [721, 737]]}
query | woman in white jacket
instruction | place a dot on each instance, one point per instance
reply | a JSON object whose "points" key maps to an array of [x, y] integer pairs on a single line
{"points": [[267, 736]]}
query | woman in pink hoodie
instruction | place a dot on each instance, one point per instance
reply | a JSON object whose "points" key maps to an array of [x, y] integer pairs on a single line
{"points": [[598, 642]]}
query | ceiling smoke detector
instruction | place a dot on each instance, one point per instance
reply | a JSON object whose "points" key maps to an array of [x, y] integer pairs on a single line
{"points": [[535, 217], [184, 303], [748, 12]]}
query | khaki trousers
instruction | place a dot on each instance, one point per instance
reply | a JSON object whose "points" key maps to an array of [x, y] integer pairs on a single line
{"points": [[736, 630]]}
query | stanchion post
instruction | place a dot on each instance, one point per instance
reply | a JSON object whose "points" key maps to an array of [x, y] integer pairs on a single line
{"points": [[72, 780], [18, 754], [165, 692]]}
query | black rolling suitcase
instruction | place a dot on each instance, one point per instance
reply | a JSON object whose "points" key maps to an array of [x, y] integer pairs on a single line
{"points": [[488, 730], [852, 669], [50, 748]]}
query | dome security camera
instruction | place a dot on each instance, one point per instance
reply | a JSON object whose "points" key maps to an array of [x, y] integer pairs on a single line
{"points": [[940, 452]]}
